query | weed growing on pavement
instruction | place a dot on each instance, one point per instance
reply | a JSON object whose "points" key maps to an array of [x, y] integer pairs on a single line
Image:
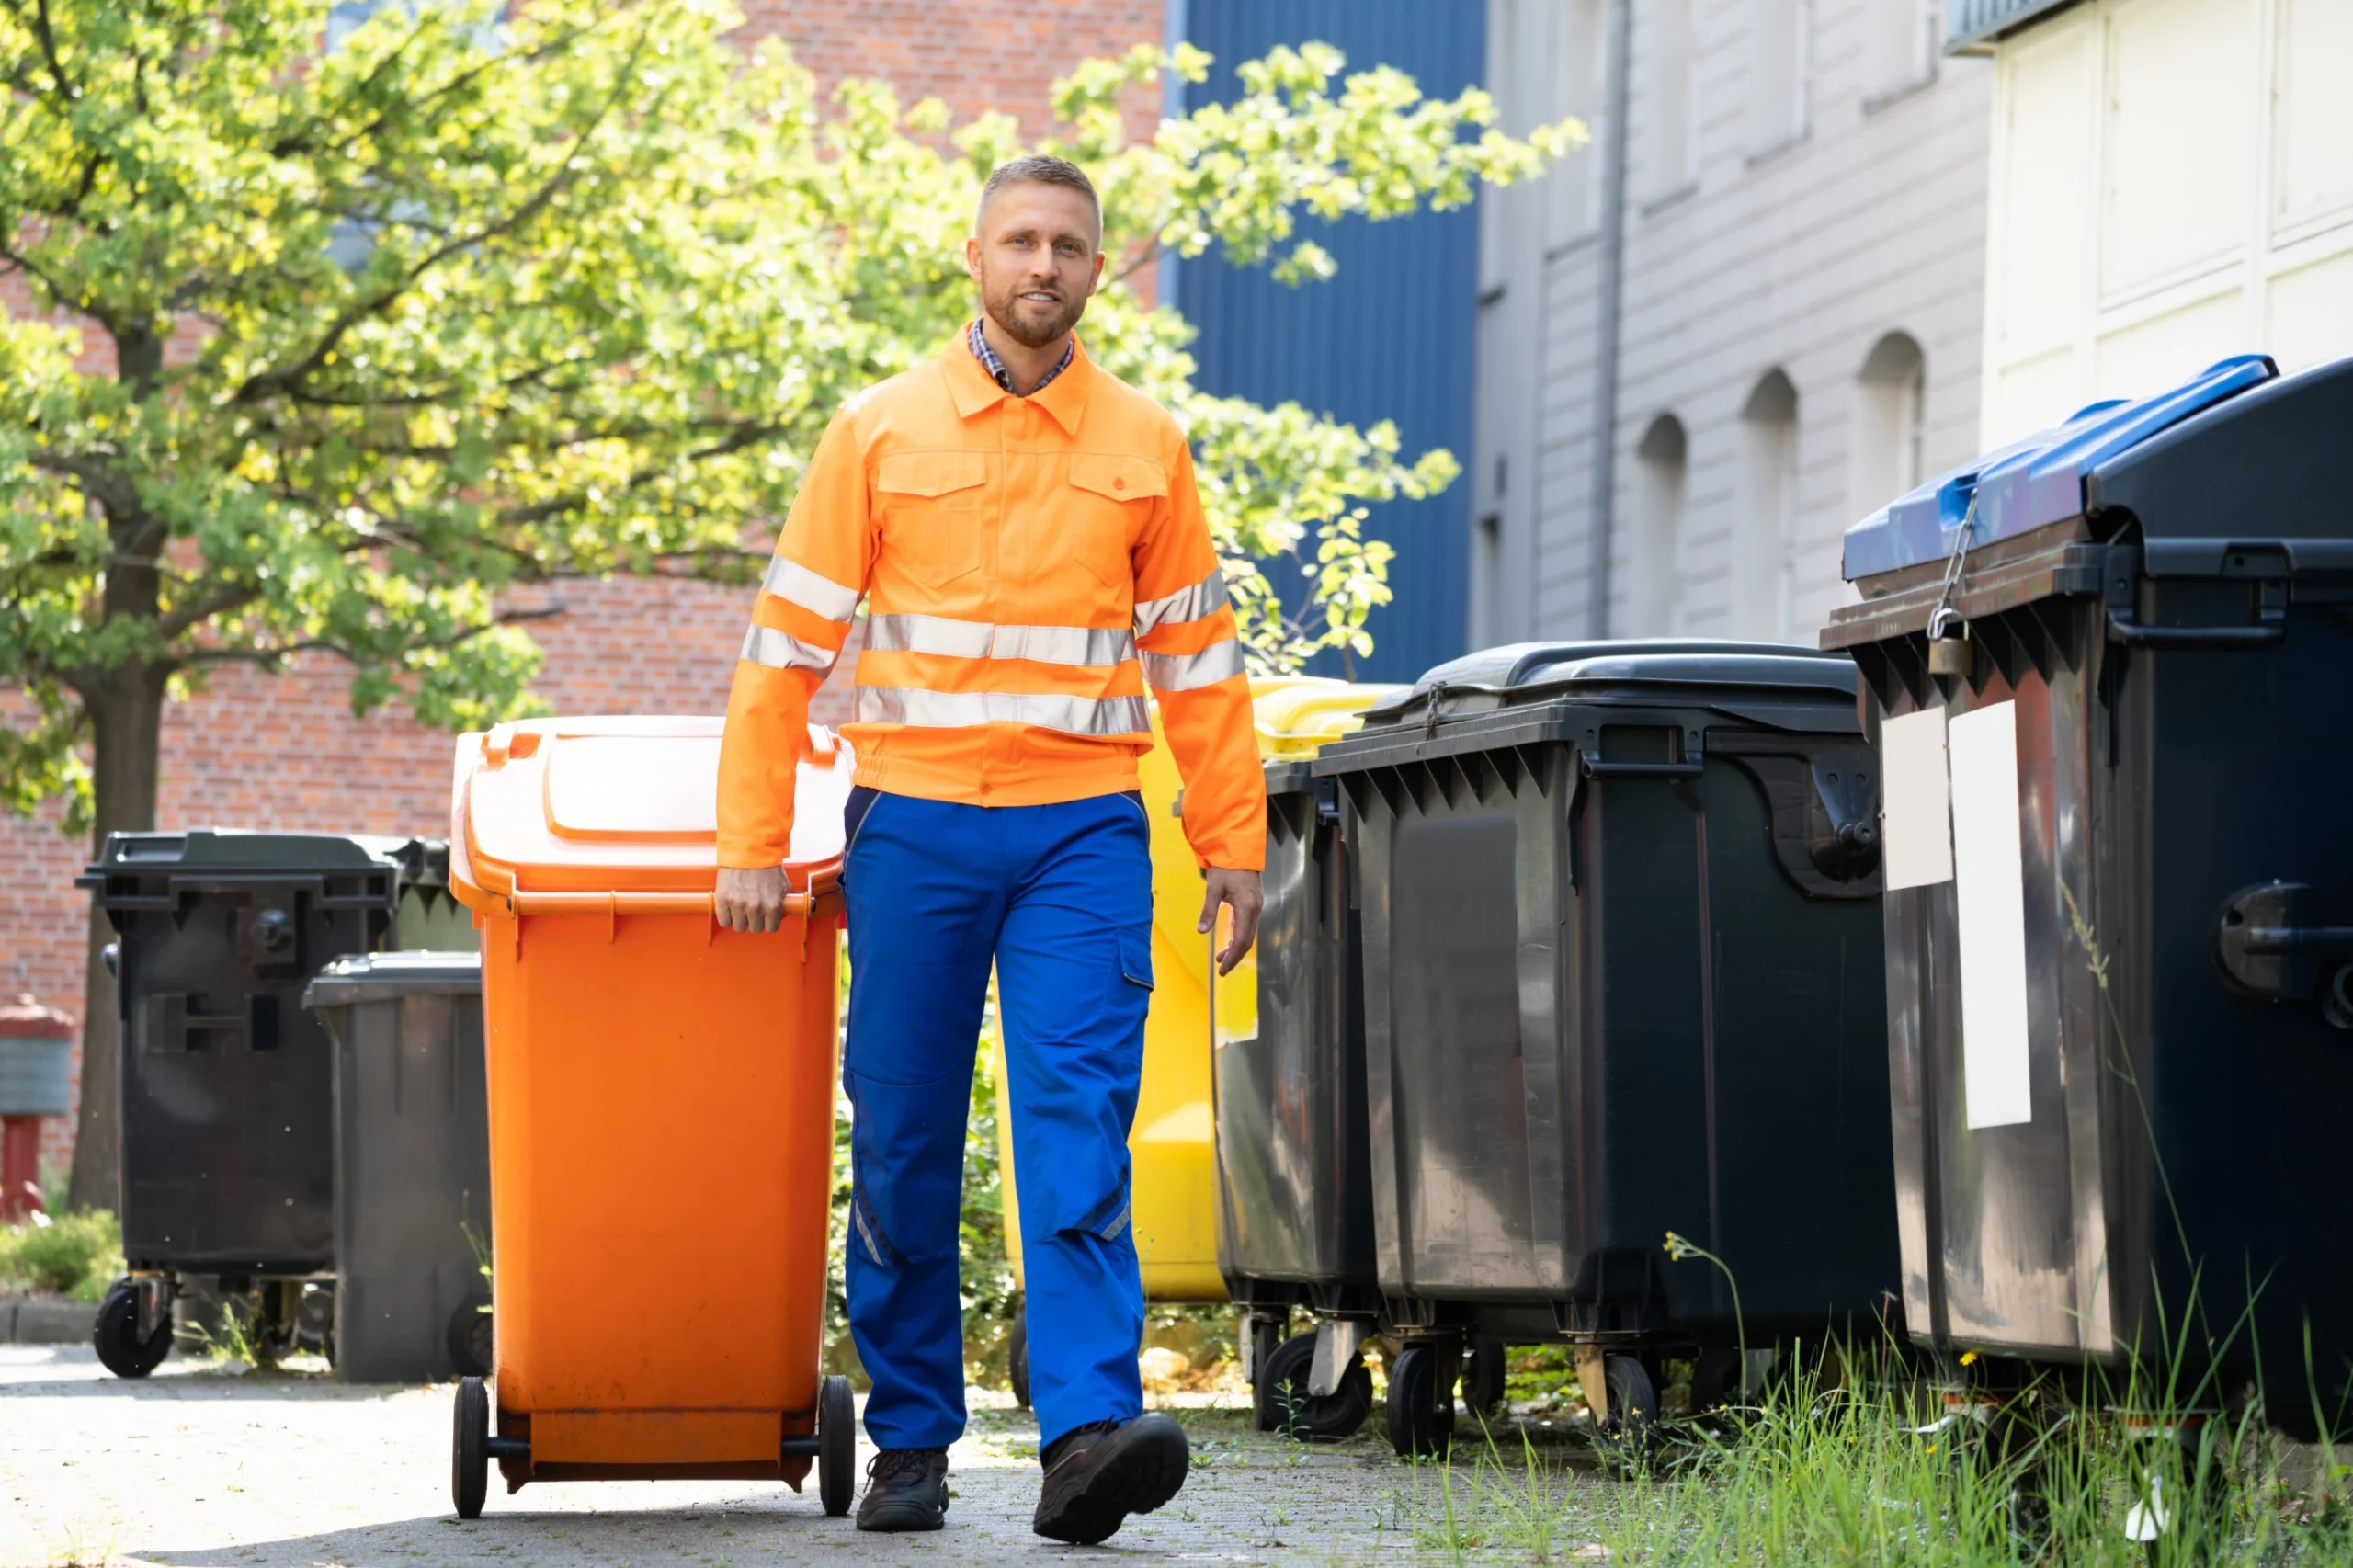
{"points": [[1815, 1472]]}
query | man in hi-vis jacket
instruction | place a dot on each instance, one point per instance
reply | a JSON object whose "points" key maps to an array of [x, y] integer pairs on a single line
{"points": [[1026, 533]]}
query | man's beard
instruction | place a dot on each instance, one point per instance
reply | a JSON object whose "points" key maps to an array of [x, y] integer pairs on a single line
{"points": [[1020, 321]]}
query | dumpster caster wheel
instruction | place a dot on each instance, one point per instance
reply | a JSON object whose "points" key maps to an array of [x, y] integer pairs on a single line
{"points": [[116, 1335], [836, 1446], [1285, 1404], [469, 1339], [1017, 1357], [470, 1448], [1482, 1377], [1421, 1413], [1634, 1399]]}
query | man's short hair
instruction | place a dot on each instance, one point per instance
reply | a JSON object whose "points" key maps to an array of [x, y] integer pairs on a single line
{"points": [[1038, 168]]}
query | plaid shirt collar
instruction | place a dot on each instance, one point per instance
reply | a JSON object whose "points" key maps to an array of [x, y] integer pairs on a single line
{"points": [[1003, 376]]}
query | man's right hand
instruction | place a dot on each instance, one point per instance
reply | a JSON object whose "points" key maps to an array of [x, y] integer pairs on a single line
{"points": [[749, 898]]}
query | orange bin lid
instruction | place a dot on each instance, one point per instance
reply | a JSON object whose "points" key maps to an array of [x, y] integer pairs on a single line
{"points": [[618, 805]]}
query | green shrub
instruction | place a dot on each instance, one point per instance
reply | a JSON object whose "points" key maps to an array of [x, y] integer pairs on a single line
{"points": [[77, 1255]]}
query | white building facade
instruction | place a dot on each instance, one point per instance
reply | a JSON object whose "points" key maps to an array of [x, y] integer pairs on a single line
{"points": [[2172, 182], [1781, 223]]}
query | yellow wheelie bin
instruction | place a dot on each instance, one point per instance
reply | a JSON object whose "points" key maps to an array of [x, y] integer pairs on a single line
{"points": [[661, 1117], [1174, 1184]]}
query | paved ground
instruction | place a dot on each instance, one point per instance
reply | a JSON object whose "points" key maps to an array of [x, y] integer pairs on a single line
{"points": [[197, 1466]]}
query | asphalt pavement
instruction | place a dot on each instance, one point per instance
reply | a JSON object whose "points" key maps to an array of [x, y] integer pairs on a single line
{"points": [[214, 1466]]}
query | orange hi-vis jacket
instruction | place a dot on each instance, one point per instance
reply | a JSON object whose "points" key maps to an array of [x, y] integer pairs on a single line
{"points": [[1031, 566]]}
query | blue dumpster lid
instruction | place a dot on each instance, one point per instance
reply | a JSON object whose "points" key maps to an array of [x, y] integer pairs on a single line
{"points": [[1522, 672], [376, 977], [2034, 481]]}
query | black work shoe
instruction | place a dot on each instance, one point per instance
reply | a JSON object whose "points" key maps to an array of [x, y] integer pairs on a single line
{"points": [[906, 1489], [1098, 1474]]}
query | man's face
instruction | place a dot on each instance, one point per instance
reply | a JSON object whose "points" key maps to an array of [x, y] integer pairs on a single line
{"points": [[1036, 260]]}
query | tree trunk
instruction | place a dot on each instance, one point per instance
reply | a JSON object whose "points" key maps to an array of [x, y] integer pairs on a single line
{"points": [[126, 723]]}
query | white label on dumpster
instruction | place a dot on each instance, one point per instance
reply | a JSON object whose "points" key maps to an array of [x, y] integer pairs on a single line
{"points": [[1990, 892], [1918, 825]]}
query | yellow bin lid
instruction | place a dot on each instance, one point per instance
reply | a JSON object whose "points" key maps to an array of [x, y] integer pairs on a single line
{"points": [[1299, 716], [616, 806]]}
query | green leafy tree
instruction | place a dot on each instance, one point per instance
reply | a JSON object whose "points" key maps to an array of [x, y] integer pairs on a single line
{"points": [[406, 320]]}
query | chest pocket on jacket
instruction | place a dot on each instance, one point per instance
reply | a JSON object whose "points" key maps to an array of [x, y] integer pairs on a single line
{"points": [[934, 512], [1112, 497]]}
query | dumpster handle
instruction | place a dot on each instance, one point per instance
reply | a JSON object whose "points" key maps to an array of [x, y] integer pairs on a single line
{"points": [[796, 905], [2196, 636], [2270, 622], [1689, 769]]}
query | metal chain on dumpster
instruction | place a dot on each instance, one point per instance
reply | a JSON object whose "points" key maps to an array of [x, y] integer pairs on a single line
{"points": [[1944, 615]]}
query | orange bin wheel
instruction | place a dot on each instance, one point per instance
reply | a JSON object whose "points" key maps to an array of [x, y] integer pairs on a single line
{"points": [[661, 1115]]}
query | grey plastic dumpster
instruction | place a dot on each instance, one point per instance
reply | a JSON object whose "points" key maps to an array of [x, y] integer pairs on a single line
{"points": [[227, 1157], [412, 1147], [1622, 977], [2120, 913]]}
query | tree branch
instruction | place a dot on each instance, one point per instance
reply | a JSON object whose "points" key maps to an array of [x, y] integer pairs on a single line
{"points": [[25, 262], [555, 507], [287, 147], [111, 489], [263, 382], [177, 622], [48, 37]]}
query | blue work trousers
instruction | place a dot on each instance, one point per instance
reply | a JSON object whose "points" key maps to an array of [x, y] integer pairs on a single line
{"points": [[1058, 898]]}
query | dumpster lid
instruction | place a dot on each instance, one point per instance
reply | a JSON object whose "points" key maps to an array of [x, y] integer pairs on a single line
{"points": [[376, 977], [1296, 717], [1665, 670], [241, 849], [25, 1017], [2037, 481], [616, 805]]}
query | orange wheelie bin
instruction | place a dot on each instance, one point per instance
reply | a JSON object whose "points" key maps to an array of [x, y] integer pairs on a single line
{"points": [[653, 1320]]}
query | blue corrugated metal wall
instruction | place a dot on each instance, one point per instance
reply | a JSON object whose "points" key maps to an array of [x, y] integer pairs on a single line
{"points": [[1391, 335]]}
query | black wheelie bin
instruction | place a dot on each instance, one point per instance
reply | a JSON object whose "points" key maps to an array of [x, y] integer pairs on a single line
{"points": [[1623, 977], [2107, 670], [228, 1169], [411, 1159], [1294, 1182]]}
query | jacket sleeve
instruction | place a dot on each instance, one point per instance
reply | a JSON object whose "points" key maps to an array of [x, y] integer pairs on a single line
{"points": [[798, 624], [1186, 636]]}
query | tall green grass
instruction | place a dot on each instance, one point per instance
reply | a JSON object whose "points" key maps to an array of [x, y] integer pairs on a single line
{"points": [[1815, 1472]]}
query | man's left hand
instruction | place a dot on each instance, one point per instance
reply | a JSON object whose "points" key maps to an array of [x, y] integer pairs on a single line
{"points": [[1239, 891]]}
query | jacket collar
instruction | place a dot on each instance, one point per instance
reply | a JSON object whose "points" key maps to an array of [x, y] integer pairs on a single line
{"points": [[972, 389]]}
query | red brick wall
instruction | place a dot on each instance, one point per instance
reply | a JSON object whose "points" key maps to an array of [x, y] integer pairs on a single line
{"points": [[284, 752]]}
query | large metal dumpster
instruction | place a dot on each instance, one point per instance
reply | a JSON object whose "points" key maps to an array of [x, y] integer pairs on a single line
{"points": [[2108, 667], [1623, 977]]}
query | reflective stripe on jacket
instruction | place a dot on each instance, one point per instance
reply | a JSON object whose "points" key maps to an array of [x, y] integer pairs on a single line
{"points": [[1031, 566]]}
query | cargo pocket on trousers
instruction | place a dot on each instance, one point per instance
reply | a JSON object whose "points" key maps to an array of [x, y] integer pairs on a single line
{"points": [[1108, 1221], [1135, 957]]}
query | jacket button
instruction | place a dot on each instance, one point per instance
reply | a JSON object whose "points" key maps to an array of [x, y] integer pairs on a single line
{"points": [[1118, 484]]}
